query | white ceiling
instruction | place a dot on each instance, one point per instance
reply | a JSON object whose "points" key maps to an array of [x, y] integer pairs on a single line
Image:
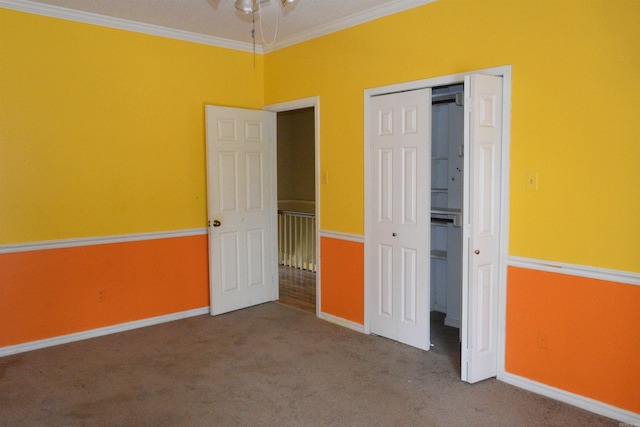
{"points": [[218, 19]]}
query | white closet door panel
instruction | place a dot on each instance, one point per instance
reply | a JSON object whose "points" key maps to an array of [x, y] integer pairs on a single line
{"points": [[480, 321], [385, 280], [385, 185], [400, 153], [409, 288], [409, 186]]}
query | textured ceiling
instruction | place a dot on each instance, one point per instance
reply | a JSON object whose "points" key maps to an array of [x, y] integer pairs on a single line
{"points": [[298, 21]]}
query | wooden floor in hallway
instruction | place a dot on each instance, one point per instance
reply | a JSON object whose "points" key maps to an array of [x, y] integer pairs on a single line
{"points": [[298, 289]]}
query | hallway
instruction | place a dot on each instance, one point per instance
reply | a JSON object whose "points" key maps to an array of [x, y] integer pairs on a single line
{"points": [[298, 289]]}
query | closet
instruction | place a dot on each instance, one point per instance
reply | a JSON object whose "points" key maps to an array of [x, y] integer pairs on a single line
{"points": [[447, 142]]}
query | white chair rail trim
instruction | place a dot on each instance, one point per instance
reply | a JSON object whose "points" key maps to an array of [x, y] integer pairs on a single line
{"points": [[619, 276], [90, 241], [358, 238]]}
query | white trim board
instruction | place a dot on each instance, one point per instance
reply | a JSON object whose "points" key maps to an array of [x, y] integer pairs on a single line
{"points": [[342, 322], [618, 276], [93, 333], [383, 10], [125, 24], [91, 241], [579, 401], [358, 238], [297, 104]]}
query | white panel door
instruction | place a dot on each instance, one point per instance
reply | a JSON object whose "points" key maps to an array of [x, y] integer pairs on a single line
{"points": [[400, 153], [241, 211], [483, 134]]}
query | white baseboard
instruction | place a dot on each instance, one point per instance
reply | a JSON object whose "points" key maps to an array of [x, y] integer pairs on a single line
{"points": [[628, 417], [342, 322], [79, 336], [454, 323]]}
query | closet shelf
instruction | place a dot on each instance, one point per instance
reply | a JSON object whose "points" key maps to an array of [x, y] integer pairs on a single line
{"points": [[438, 254], [445, 211]]}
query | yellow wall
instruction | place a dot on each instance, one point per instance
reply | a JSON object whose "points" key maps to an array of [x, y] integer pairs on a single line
{"points": [[574, 111], [102, 130], [102, 133], [574, 120]]}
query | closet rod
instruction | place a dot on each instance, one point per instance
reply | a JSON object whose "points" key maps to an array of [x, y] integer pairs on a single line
{"points": [[441, 98]]}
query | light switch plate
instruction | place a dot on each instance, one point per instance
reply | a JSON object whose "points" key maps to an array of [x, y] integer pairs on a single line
{"points": [[532, 181]]}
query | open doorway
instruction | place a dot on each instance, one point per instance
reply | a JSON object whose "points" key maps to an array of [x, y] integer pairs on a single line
{"points": [[447, 175], [297, 226]]}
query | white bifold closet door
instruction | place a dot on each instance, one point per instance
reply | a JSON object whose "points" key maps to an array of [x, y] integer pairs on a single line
{"points": [[481, 213], [400, 221]]}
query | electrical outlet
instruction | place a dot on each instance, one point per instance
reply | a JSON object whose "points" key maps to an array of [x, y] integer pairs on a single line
{"points": [[325, 177], [100, 295]]}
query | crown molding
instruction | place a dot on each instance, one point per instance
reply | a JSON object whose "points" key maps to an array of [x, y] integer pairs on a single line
{"points": [[389, 8], [124, 24], [51, 11]]}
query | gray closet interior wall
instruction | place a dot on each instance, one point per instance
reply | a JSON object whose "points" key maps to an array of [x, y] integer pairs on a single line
{"points": [[446, 202]]}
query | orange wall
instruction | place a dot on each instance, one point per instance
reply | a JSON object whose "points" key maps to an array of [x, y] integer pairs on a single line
{"points": [[49, 293], [342, 275], [577, 334]]}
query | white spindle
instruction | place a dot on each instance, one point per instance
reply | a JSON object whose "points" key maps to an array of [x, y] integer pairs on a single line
{"points": [[297, 240]]}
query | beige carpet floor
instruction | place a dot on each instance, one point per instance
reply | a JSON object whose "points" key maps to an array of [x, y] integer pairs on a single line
{"points": [[268, 365]]}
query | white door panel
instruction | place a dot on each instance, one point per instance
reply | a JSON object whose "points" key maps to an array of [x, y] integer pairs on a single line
{"points": [[241, 211], [400, 153], [483, 134]]}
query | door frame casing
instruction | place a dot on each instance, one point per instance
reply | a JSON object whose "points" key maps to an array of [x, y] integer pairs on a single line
{"points": [[298, 104], [505, 73]]}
